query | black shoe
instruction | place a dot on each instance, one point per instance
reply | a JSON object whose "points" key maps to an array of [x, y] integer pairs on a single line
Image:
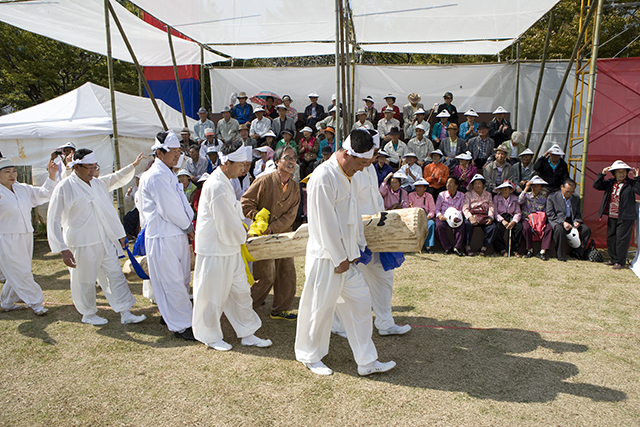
{"points": [[457, 252], [430, 250], [562, 259], [162, 322], [543, 257], [448, 251], [186, 335], [529, 254]]}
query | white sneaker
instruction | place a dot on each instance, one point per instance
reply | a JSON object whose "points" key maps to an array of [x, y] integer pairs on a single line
{"points": [[375, 368], [40, 310], [254, 341], [395, 330], [94, 319], [220, 345], [318, 368], [342, 333], [127, 317]]}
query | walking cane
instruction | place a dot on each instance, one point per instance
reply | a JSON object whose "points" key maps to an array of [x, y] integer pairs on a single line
{"points": [[509, 255]]}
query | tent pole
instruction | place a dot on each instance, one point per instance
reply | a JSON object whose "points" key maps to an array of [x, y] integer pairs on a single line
{"points": [[112, 95], [175, 72], [342, 110], [564, 78], [590, 93], [201, 76], [338, 133], [141, 76], [540, 76], [515, 118]]}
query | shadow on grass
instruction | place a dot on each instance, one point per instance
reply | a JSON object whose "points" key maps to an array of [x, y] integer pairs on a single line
{"points": [[484, 363]]}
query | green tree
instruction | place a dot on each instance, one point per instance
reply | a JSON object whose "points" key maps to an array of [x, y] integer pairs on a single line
{"points": [[34, 69]]}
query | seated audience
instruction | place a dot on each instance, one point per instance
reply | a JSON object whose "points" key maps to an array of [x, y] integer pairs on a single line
{"points": [[436, 174], [243, 131], [372, 113], [382, 166], [386, 124], [516, 146], [420, 144], [314, 112], [391, 103], [452, 198], [478, 211], [421, 199], [481, 146], [498, 171], [411, 169], [449, 107], [292, 113], [533, 202], [464, 171], [309, 148], [409, 110], [451, 146], [469, 129], [196, 165], [328, 141], [287, 140], [439, 131], [523, 170], [393, 195], [260, 125], [552, 168], [227, 129], [499, 127], [281, 122], [619, 204], [418, 120], [242, 111], [361, 120], [507, 213], [563, 214], [395, 148]]}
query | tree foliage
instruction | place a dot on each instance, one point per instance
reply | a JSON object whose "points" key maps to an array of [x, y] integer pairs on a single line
{"points": [[34, 69]]}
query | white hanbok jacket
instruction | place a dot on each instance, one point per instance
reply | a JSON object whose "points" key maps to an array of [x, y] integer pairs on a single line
{"points": [[335, 224], [219, 231], [83, 215], [365, 185], [162, 201], [15, 207]]}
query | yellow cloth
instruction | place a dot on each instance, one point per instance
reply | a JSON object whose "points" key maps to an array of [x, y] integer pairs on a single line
{"points": [[247, 258], [260, 223]]}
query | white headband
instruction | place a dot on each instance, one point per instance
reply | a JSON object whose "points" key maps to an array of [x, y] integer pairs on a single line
{"points": [[240, 155], [347, 146], [86, 160], [171, 141]]}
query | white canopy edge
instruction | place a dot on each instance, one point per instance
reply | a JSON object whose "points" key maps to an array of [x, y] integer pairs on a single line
{"points": [[481, 47], [81, 23], [276, 50]]}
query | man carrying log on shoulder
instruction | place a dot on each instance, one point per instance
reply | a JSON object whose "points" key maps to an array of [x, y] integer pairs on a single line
{"points": [[336, 238]]}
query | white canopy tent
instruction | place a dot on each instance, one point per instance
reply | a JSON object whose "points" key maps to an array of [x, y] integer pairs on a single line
{"points": [[257, 29], [482, 87], [83, 116], [81, 23]]}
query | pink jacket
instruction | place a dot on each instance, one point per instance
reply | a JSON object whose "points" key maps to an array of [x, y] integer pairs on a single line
{"points": [[425, 202]]}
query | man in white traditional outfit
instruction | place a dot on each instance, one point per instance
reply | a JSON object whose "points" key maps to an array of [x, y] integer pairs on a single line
{"points": [[380, 282], [16, 236], [333, 283], [168, 218], [83, 225], [220, 280]]}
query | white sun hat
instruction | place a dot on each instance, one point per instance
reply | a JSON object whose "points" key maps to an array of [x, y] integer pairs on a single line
{"points": [[619, 164], [471, 112], [500, 110], [465, 156], [537, 180], [444, 113]]}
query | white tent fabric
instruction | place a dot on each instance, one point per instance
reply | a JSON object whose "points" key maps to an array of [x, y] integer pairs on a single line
{"points": [[83, 116], [81, 23], [480, 86], [463, 27]]}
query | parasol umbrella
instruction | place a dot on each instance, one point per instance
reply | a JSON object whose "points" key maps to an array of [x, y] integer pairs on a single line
{"points": [[260, 98]]}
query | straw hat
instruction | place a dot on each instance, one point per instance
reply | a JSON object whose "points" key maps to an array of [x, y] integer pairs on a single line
{"points": [[414, 97]]}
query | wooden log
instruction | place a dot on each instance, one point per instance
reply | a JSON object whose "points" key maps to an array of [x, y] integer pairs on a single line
{"points": [[400, 230]]}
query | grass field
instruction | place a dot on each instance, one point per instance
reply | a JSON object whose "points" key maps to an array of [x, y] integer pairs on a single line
{"points": [[495, 342]]}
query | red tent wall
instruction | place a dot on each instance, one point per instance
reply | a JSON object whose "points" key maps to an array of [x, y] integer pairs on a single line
{"points": [[615, 131]]}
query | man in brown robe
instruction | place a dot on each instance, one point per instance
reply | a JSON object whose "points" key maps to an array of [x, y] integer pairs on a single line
{"points": [[280, 195]]}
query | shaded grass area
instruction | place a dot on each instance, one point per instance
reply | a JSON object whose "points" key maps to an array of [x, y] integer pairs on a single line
{"points": [[495, 342]]}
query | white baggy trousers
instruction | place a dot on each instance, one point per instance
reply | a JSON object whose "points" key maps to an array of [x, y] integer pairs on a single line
{"points": [[169, 261], [89, 260], [380, 285], [16, 252], [325, 292], [220, 286]]}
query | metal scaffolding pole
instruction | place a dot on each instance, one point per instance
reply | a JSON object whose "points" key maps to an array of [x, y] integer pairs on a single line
{"points": [[141, 77], [590, 92], [515, 113], [175, 72], [112, 95], [338, 97]]}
